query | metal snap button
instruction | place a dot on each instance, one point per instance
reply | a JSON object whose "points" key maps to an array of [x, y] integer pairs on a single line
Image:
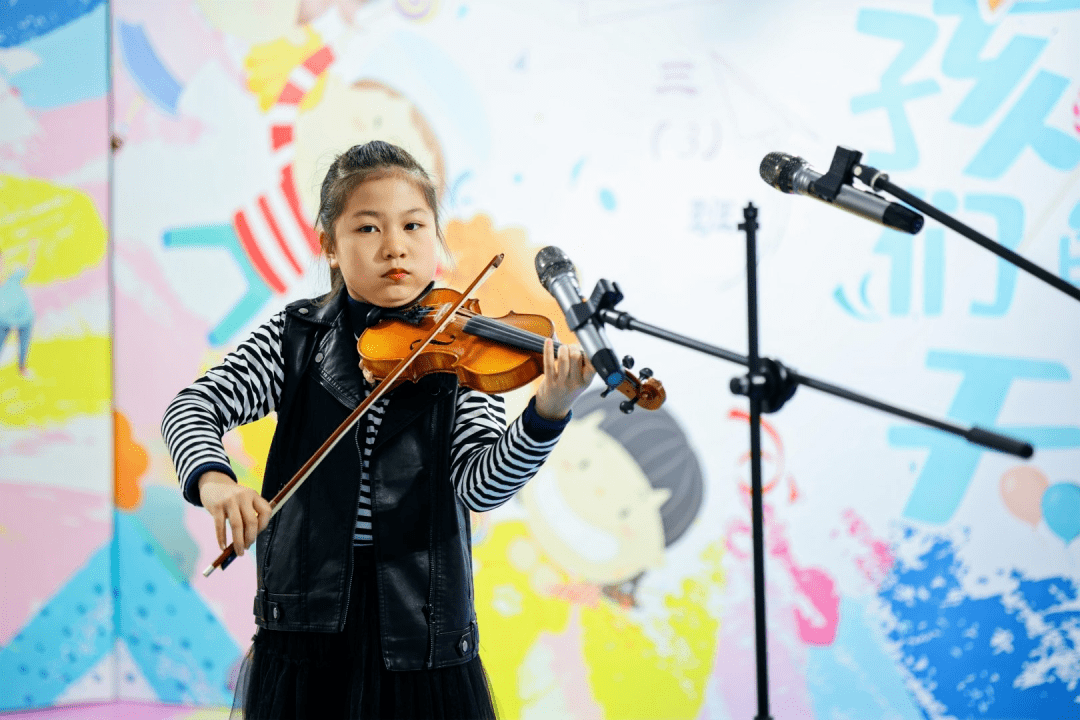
{"points": [[303, 311], [318, 357]]}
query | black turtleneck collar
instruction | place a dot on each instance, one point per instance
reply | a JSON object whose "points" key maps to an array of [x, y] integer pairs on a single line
{"points": [[363, 315]]}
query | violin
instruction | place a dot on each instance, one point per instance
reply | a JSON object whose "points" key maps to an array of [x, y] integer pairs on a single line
{"points": [[437, 328], [493, 355]]}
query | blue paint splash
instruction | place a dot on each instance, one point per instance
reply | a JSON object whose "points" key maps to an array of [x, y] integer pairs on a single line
{"points": [[607, 199], [1012, 655], [24, 20]]}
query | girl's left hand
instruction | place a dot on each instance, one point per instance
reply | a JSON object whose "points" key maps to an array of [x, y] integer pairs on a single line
{"points": [[565, 378]]}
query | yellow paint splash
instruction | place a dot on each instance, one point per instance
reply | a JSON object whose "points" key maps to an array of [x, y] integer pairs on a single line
{"points": [[71, 376], [511, 614], [63, 221], [633, 676], [269, 65], [218, 713], [255, 439]]}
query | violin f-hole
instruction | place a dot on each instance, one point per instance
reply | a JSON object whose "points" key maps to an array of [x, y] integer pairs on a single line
{"points": [[434, 341]]}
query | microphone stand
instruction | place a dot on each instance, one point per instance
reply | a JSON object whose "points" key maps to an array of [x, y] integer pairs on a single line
{"points": [[768, 385], [845, 167]]}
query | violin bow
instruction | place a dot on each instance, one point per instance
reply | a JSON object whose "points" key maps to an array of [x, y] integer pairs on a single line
{"points": [[229, 553]]}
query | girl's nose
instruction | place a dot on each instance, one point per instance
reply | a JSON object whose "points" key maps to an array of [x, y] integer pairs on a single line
{"points": [[393, 244]]}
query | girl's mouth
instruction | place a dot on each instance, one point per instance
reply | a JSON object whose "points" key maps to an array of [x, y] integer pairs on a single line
{"points": [[397, 274]]}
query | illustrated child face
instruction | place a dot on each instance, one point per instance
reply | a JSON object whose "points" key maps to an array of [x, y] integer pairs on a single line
{"points": [[384, 241], [593, 510]]}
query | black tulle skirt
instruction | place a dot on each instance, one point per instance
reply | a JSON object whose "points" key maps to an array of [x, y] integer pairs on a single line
{"points": [[323, 676]]}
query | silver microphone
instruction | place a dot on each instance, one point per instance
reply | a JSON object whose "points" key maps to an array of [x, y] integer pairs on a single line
{"points": [[556, 274], [794, 175]]}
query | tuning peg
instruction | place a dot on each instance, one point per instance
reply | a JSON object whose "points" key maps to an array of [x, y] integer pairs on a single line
{"points": [[627, 406], [645, 373], [627, 362]]}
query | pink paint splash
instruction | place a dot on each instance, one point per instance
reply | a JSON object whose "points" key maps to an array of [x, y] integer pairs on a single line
{"points": [[59, 296], [47, 534], [814, 584], [69, 137], [41, 442], [878, 558], [158, 344], [734, 674], [570, 668], [229, 592]]}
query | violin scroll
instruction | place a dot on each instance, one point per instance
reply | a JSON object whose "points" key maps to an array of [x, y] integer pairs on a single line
{"points": [[646, 391]]}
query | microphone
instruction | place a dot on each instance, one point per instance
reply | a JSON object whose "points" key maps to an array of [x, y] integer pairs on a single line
{"points": [[556, 274], [794, 175]]}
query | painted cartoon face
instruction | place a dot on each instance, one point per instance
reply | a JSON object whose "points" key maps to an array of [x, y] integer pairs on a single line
{"points": [[385, 241], [348, 115], [593, 510]]}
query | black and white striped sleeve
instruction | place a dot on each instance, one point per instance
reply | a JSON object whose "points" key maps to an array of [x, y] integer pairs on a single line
{"points": [[489, 461], [243, 388]]}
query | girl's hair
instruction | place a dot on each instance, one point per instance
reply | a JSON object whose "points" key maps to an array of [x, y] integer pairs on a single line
{"points": [[364, 162]]}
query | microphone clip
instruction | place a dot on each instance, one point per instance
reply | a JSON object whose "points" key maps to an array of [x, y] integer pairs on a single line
{"points": [[841, 172], [605, 296]]}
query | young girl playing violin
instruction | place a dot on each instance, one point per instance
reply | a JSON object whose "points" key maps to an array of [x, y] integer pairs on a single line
{"points": [[365, 592]]}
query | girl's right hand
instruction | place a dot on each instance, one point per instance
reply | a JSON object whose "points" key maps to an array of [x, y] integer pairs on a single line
{"points": [[246, 511]]}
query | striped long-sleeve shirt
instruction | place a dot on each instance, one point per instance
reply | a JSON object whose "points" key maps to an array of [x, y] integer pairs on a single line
{"points": [[489, 461]]}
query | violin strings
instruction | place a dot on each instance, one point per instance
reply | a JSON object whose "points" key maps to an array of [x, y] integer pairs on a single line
{"points": [[494, 330], [499, 332]]}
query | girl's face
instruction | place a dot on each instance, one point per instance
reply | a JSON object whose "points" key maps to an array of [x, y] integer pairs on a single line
{"points": [[385, 242]]}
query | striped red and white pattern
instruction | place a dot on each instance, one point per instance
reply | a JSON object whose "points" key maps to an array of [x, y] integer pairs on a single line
{"points": [[272, 228], [489, 461]]}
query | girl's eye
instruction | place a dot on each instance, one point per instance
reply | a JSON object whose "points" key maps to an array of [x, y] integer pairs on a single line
{"points": [[412, 226], [366, 229]]}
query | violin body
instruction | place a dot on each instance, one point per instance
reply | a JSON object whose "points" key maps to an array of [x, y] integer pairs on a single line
{"points": [[479, 363]]}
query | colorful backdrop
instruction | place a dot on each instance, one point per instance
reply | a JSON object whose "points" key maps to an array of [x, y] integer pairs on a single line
{"points": [[159, 168]]}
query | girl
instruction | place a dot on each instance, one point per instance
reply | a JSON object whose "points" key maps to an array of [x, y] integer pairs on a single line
{"points": [[365, 593]]}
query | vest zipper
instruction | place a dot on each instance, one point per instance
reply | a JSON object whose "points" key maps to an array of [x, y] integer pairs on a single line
{"points": [[351, 552], [431, 554]]}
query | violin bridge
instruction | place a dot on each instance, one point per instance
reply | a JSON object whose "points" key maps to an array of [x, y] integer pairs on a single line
{"points": [[413, 315], [440, 311]]}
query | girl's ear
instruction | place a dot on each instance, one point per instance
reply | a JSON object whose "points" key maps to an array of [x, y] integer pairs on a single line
{"points": [[326, 242]]}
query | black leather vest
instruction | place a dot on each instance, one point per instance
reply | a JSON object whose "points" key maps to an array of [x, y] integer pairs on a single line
{"points": [[423, 552]]}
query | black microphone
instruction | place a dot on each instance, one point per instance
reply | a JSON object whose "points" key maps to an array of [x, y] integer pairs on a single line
{"points": [[556, 274], [794, 175]]}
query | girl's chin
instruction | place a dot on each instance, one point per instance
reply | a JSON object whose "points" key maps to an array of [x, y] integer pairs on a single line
{"points": [[395, 296]]}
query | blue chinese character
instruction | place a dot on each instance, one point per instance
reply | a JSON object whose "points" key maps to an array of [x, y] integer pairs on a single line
{"points": [[917, 35], [1023, 127], [994, 78], [1067, 260], [1009, 213], [951, 462]]}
